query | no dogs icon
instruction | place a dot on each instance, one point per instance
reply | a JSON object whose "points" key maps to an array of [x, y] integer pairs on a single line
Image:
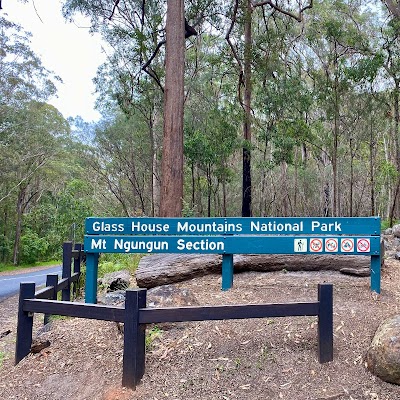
{"points": [[316, 245]]}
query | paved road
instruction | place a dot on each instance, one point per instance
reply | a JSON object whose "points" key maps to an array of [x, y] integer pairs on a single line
{"points": [[9, 284]]}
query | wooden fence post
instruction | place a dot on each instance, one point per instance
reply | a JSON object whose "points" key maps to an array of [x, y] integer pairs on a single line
{"points": [[51, 280], [77, 266], [66, 270], [25, 323], [134, 339], [325, 323]]}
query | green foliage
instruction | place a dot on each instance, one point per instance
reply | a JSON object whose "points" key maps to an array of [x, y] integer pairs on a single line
{"points": [[2, 358], [151, 335], [33, 248], [187, 210], [366, 69], [11, 267], [60, 217], [321, 90], [289, 134], [116, 262], [385, 223]]}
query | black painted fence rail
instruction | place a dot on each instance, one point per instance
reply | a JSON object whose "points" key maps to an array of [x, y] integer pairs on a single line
{"points": [[71, 254], [135, 315]]}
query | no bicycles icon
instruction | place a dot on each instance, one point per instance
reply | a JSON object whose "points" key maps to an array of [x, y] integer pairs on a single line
{"points": [[363, 245]]}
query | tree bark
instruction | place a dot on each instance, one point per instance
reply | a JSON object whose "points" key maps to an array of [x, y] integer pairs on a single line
{"points": [[335, 203], [172, 155], [246, 186], [371, 165], [393, 7], [18, 226], [396, 105]]}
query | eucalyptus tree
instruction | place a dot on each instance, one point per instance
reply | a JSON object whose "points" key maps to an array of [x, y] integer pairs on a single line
{"points": [[140, 26], [121, 161], [282, 102], [242, 16], [30, 150], [391, 54], [29, 129], [393, 7], [336, 39]]}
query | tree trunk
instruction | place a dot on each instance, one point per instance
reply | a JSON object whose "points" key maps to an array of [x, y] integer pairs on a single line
{"points": [[18, 226], [396, 101], [155, 184], [371, 165], [5, 235], [193, 202], [209, 191], [335, 141], [224, 211], [246, 186], [351, 186], [172, 156], [284, 190]]}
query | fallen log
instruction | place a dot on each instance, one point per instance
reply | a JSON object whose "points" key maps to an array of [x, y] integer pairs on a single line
{"points": [[162, 269]]}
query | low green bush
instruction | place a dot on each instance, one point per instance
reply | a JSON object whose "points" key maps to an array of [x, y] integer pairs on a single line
{"points": [[33, 247]]}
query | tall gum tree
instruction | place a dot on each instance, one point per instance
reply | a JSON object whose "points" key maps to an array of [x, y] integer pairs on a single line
{"points": [[335, 40], [245, 8], [171, 200], [130, 20]]}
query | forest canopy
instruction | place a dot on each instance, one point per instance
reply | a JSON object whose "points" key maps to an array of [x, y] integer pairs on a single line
{"points": [[308, 91]]}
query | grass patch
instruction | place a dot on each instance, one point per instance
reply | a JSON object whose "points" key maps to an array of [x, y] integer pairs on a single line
{"points": [[21, 268], [113, 262], [151, 335], [385, 224], [2, 358], [56, 317]]}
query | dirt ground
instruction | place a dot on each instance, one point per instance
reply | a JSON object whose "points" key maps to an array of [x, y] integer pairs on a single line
{"points": [[241, 359]]}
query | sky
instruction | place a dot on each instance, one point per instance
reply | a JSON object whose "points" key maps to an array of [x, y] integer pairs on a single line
{"points": [[67, 49]]}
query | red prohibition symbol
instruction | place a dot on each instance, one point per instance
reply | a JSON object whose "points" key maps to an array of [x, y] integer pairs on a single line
{"points": [[331, 245], [316, 245], [347, 245], [363, 245]]}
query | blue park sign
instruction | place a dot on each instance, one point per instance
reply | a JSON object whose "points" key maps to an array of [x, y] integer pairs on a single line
{"points": [[229, 236], [233, 226]]}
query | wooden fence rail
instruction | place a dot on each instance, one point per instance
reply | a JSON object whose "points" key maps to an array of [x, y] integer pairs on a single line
{"points": [[53, 286], [135, 315]]}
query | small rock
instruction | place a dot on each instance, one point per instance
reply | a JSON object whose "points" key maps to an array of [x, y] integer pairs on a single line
{"points": [[38, 345], [114, 298], [395, 244], [118, 280], [388, 231], [383, 355], [396, 231], [387, 244], [397, 256], [170, 296]]}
